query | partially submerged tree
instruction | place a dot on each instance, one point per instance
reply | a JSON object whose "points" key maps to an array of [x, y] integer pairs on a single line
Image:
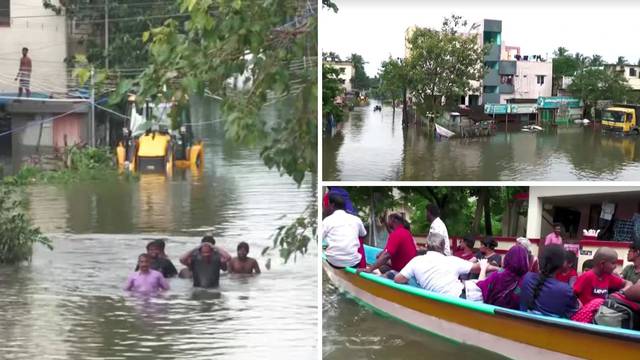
{"points": [[444, 63], [394, 77], [331, 88], [593, 84]]}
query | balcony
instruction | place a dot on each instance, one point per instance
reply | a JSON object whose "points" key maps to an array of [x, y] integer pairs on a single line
{"points": [[493, 54], [491, 78], [505, 89], [507, 67]]}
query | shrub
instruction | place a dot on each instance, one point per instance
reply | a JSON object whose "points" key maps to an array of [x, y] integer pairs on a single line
{"points": [[17, 234]]}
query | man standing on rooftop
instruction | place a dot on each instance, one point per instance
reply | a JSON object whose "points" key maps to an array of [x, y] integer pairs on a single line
{"points": [[24, 73]]}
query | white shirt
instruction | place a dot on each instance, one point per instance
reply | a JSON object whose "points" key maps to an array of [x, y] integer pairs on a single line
{"points": [[437, 272], [438, 227], [341, 231]]}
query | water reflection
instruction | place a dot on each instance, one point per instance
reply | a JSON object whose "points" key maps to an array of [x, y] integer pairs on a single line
{"points": [[374, 146]]}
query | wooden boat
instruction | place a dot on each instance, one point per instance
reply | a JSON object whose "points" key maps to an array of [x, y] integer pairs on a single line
{"points": [[515, 334]]}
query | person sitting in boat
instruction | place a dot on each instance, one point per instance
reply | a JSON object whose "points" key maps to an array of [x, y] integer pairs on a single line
{"points": [[467, 249], [159, 260], [631, 272], [434, 271], [544, 294], [242, 264], [598, 282], [487, 251], [534, 265], [349, 209], [502, 288], [341, 232], [587, 265], [146, 280], [438, 226], [400, 248], [185, 259], [205, 266], [568, 274]]}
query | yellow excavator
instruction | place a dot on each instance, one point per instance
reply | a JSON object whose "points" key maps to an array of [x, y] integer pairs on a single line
{"points": [[148, 146]]}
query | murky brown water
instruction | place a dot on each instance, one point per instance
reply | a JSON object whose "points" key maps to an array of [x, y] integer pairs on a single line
{"points": [[373, 146], [352, 331], [68, 303]]}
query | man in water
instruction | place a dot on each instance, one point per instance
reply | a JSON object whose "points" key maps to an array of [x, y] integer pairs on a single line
{"points": [[205, 265], [159, 261], [24, 73], [146, 280], [243, 264], [185, 259]]}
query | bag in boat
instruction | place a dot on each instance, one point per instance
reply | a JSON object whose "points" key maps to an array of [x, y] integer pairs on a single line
{"points": [[619, 312]]}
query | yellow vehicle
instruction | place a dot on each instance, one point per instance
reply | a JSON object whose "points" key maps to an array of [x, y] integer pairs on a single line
{"points": [[621, 118], [149, 147]]}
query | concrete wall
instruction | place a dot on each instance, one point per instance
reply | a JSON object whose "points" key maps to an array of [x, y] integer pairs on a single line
{"points": [[347, 71], [29, 130], [46, 39], [73, 126], [525, 80]]}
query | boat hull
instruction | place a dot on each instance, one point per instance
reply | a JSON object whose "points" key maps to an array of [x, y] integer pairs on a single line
{"points": [[511, 333]]}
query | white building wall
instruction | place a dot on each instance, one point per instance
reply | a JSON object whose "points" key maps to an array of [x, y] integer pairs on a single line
{"points": [[537, 193], [525, 82], [45, 35]]}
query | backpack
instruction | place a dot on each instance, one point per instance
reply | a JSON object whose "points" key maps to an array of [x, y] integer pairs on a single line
{"points": [[617, 311]]}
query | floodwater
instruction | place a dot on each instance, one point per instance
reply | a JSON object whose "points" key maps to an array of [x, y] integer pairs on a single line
{"points": [[69, 303], [352, 331], [373, 146]]}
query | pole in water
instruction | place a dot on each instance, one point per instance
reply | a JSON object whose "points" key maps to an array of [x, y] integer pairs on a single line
{"points": [[93, 109]]}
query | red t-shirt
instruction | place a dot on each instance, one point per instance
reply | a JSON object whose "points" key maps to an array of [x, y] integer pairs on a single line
{"points": [[565, 277], [401, 247], [589, 286]]}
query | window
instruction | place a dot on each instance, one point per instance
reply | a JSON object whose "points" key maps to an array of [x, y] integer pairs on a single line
{"points": [[632, 71], [540, 79], [5, 12], [506, 79]]}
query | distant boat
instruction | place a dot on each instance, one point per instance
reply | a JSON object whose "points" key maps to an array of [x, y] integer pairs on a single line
{"points": [[582, 121], [441, 131], [531, 128]]}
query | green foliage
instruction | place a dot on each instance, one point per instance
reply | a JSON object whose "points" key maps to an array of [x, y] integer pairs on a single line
{"points": [[360, 80], [330, 5], [274, 42], [444, 63], [17, 235], [593, 84], [331, 57], [295, 237], [331, 88], [394, 77]]}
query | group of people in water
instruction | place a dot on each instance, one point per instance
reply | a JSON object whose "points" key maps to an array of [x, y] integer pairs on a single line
{"points": [[202, 264], [548, 284]]}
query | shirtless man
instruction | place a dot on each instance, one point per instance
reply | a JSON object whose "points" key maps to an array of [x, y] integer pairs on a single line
{"points": [[243, 264], [24, 73]]}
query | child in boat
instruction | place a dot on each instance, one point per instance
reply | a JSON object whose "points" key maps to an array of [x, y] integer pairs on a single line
{"points": [[587, 265], [467, 250], [487, 251], [598, 282], [631, 272], [568, 274], [503, 288], [146, 280], [542, 292], [243, 264]]}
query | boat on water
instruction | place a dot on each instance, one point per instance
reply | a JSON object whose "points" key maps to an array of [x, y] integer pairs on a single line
{"points": [[515, 334], [444, 132]]}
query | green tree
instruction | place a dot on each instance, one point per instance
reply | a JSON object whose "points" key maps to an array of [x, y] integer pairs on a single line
{"points": [[330, 5], [331, 57], [360, 79], [593, 84], [444, 63], [564, 64], [395, 79], [596, 61], [17, 235], [331, 88], [621, 61]]}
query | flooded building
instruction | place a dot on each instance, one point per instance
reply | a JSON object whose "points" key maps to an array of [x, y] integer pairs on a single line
{"points": [[347, 72]]}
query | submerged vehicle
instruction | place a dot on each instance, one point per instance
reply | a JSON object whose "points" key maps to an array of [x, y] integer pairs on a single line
{"points": [[149, 146], [515, 334], [621, 118]]}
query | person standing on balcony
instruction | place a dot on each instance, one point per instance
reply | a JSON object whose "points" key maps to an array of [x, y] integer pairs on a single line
{"points": [[554, 237], [24, 73]]}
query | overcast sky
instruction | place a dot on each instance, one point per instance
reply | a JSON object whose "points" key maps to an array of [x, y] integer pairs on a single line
{"points": [[375, 28]]}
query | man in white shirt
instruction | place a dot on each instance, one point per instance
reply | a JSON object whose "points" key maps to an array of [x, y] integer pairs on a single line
{"points": [[436, 272], [341, 232], [438, 226]]}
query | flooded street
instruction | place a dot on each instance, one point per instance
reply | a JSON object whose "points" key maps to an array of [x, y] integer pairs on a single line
{"points": [[352, 331], [69, 303], [373, 146]]}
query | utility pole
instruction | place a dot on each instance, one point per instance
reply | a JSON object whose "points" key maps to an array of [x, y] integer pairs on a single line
{"points": [[93, 109], [106, 33]]}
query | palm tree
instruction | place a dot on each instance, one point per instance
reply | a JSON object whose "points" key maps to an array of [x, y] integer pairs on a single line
{"points": [[596, 61], [560, 52], [621, 61]]}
